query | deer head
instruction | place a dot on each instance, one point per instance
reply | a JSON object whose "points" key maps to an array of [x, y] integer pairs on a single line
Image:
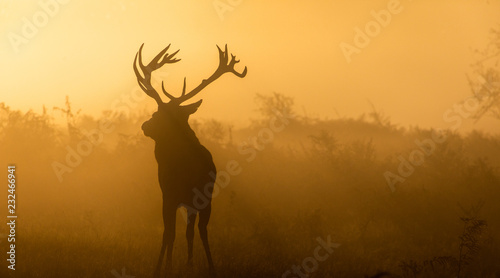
{"points": [[172, 115]]}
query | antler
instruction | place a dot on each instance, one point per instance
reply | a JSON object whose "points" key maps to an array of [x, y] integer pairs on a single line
{"points": [[145, 82], [224, 66]]}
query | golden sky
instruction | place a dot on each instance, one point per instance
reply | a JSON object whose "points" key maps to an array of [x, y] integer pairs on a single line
{"points": [[414, 68]]}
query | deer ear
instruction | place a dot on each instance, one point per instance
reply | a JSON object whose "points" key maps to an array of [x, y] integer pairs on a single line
{"points": [[191, 108]]}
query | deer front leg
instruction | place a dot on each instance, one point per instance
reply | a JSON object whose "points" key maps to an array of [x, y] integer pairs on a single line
{"points": [[168, 238], [162, 253], [169, 220]]}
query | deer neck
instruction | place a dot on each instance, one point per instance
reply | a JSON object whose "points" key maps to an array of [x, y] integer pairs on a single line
{"points": [[179, 144]]}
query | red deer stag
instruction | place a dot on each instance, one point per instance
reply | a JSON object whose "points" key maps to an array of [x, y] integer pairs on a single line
{"points": [[184, 165]]}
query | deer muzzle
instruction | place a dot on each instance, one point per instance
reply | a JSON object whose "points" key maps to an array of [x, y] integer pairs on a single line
{"points": [[147, 128]]}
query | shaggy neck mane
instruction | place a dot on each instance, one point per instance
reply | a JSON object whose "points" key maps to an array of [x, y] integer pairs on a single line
{"points": [[182, 138], [187, 134]]}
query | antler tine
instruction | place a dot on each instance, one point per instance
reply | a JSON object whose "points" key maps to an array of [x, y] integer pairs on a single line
{"points": [[145, 82], [171, 97], [143, 73], [242, 74], [155, 60], [184, 88], [225, 65], [222, 55], [167, 59], [234, 62], [137, 73]]}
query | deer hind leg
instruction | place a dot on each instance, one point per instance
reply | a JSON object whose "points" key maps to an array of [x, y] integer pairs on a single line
{"points": [[191, 219], [202, 227]]}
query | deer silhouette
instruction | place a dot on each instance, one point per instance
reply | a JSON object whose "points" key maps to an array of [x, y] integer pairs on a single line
{"points": [[184, 165]]}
